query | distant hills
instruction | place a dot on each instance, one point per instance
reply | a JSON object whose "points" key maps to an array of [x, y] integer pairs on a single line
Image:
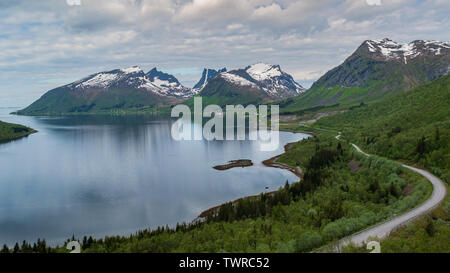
{"points": [[131, 89], [377, 69]]}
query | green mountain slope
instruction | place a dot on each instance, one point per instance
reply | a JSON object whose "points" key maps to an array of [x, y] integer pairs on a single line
{"points": [[414, 126], [377, 69], [222, 93], [63, 100]]}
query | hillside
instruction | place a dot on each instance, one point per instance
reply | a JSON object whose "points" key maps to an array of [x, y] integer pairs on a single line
{"points": [[10, 131], [376, 70], [414, 126]]}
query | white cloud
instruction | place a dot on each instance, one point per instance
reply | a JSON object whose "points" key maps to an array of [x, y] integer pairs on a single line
{"points": [[51, 41]]}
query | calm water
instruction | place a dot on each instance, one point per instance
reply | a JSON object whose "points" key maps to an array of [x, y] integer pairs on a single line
{"points": [[114, 175]]}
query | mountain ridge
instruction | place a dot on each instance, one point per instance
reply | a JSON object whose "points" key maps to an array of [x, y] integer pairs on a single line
{"points": [[257, 83], [131, 89], [377, 69]]}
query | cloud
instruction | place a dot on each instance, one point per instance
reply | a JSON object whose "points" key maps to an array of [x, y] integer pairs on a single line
{"points": [[48, 42]]}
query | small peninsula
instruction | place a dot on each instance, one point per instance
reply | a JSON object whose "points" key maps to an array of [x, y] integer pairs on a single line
{"points": [[9, 131]]}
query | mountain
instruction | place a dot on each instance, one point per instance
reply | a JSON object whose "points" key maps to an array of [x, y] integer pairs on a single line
{"points": [[258, 83], [119, 89], [377, 69], [207, 75]]}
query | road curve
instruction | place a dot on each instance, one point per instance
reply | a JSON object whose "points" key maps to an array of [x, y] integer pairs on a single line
{"points": [[382, 230]]}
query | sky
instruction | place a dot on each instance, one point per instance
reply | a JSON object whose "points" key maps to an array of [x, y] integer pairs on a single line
{"points": [[46, 44]]}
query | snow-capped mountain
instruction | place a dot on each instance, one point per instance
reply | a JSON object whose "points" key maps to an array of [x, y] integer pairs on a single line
{"points": [[256, 83], [387, 49], [207, 75], [134, 77], [128, 89], [377, 69], [269, 79], [273, 80]]}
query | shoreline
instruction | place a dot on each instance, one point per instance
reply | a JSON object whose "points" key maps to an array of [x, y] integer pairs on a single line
{"points": [[5, 140], [271, 163]]}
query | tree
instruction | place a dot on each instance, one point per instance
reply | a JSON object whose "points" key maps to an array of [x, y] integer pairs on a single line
{"points": [[430, 228], [5, 249], [308, 240], [339, 149], [420, 149], [16, 248]]}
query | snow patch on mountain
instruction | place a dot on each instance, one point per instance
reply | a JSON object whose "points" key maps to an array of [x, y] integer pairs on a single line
{"points": [[393, 50], [262, 71], [235, 79], [101, 80], [164, 83]]}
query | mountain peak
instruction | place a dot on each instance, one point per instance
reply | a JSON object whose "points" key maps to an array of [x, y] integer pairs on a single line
{"points": [[262, 71], [156, 75], [380, 68], [388, 49], [207, 75]]}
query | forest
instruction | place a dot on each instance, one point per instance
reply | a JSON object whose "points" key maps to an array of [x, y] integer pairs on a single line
{"points": [[412, 127]]}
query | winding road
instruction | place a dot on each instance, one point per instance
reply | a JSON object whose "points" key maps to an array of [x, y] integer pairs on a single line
{"points": [[382, 230]]}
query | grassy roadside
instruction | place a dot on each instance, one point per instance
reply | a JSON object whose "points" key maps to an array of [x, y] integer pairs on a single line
{"points": [[416, 236], [429, 233]]}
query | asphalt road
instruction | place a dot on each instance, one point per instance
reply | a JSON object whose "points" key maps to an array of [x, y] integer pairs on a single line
{"points": [[382, 230]]}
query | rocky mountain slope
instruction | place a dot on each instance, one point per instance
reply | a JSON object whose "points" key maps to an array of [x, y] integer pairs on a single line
{"points": [[207, 75], [377, 69]]}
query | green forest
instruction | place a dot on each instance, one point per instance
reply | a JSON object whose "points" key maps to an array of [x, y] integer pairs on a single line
{"points": [[413, 127]]}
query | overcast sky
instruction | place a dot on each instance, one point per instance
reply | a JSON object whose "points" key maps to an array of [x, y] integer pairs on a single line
{"points": [[45, 44]]}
